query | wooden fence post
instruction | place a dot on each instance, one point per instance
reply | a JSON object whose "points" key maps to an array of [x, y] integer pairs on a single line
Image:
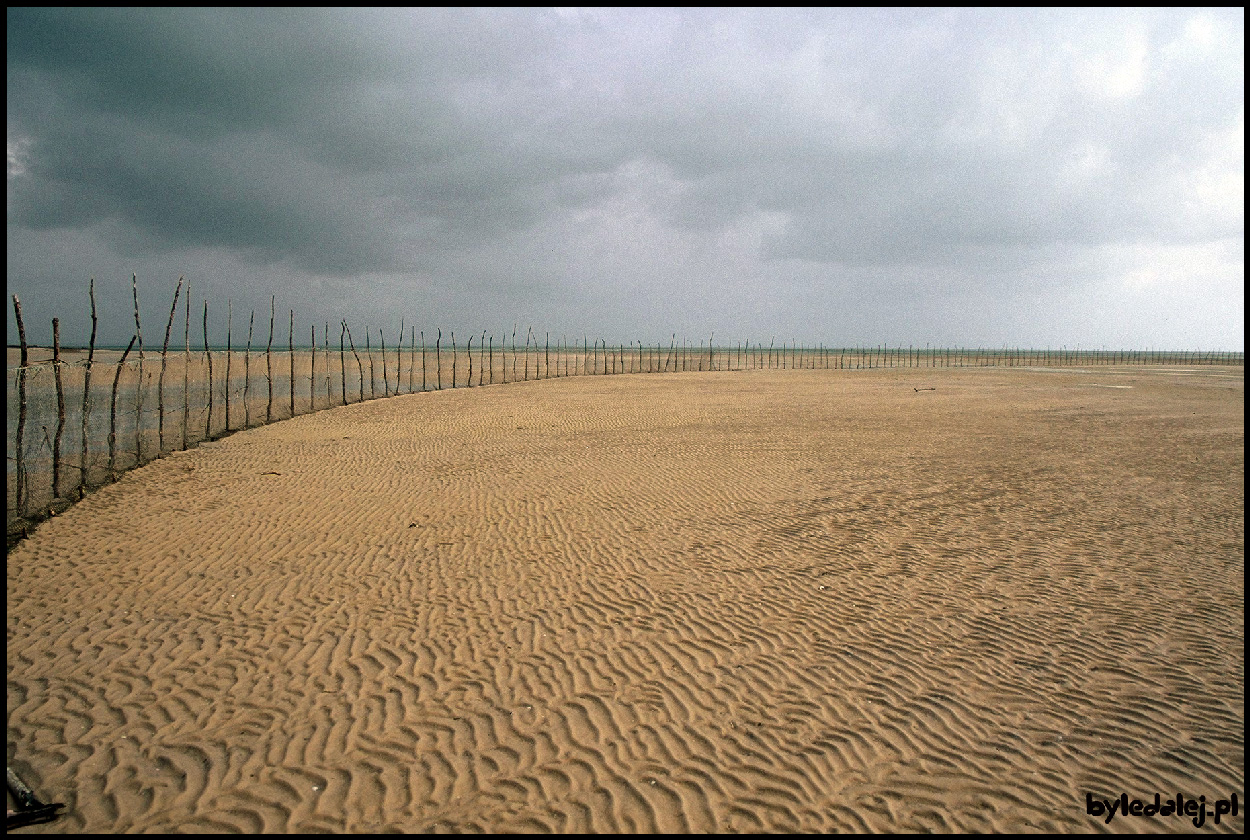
{"points": [[160, 384], [186, 370], [481, 365], [312, 367], [86, 398], [399, 357], [247, 373], [208, 424], [360, 368], [113, 412], [527, 353], [386, 377], [269, 362], [290, 348], [229, 327], [20, 474], [134, 285], [60, 408], [369, 356]]}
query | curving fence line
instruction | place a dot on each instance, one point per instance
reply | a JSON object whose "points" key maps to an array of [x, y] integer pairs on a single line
{"points": [[78, 419]]}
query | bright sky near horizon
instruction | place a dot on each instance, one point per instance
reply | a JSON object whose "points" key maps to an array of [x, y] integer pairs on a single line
{"points": [[952, 177]]}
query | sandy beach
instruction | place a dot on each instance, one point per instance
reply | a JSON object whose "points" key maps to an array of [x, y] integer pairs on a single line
{"points": [[812, 601]]}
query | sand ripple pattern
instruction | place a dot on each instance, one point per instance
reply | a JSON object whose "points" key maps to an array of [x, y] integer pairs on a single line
{"points": [[758, 601]]}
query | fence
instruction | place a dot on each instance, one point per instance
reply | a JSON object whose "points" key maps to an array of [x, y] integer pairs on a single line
{"points": [[77, 423]]}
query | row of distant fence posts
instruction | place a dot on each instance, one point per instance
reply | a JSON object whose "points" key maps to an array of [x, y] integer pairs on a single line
{"points": [[316, 377]]}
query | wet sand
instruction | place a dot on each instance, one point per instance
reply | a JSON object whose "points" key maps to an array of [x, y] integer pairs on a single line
{"points": [[753, 601]]}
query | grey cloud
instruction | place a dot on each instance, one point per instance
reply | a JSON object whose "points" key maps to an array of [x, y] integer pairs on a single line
{"points": [[428, 142]]}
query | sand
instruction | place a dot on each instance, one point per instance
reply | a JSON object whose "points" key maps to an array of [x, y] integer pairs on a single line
{"points": [[753, 601]]}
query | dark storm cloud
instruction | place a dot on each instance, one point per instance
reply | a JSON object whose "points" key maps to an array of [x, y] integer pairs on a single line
{"points": [[511, 151], [303, 134]]}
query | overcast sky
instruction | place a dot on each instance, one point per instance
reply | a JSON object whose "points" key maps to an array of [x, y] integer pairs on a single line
{"points": [[945, 177]]}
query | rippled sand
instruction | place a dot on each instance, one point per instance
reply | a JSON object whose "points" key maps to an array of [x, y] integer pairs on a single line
{"points": [[778, 601]]}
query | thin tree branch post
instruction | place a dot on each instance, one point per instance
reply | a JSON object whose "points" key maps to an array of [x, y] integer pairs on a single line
{"points": [[134, 285], [269, 361], [229, 327], [527, 354], [343, 361], [290, 348], [60, 408], [186, 371], [208, 424], [160, 384], [113, 412], [83, 476], [360, 368], [386, 377], [399, 357], [312, 368], [247, 373]]}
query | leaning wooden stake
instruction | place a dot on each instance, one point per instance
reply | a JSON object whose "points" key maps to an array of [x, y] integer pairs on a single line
{"points": [[343, 361], [312, 369], [113, 412], [269, 362], [21, 331], [247, 373], [186, 370], [481, 366], [20, 475], [527, 353], [290, 348], [399, 357], [359, 366], [160, 382], [229, 326], [369, 356], [438, 358], [60, 408], [208, 423], [134, 285], [86, 398], [386, 377]]}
